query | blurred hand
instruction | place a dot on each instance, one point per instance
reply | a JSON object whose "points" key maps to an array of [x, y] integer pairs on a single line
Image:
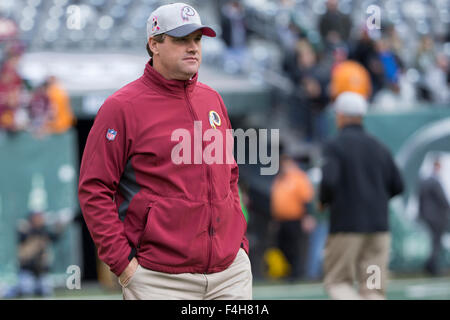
{"points": [[129, 271]]}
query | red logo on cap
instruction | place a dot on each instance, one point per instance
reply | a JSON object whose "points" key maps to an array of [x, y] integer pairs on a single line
{"points": [[187, 12], [155, 24]]}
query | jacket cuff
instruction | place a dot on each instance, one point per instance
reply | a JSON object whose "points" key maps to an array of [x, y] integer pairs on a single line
{"points": [[120, 266]]}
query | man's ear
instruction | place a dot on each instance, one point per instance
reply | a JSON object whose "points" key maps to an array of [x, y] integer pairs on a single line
{"points": [[153, 45]]}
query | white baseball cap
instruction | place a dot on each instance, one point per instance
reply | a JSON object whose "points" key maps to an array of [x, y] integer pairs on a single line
{"points": [[176, 20], [351, 104]]}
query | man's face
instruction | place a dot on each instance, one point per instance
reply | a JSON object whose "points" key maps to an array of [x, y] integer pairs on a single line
{"points": [[178, 58], [332, 5]]}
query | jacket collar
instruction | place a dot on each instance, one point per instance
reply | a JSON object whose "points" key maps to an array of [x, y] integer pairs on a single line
{"points": [[154, 79]]}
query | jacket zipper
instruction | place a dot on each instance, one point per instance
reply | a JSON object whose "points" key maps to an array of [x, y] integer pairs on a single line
{"points": [[208, 175], [210, 228]]}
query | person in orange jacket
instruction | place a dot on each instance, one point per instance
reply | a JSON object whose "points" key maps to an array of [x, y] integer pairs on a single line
{"points": [[291, 192], [62, 116], [350, 76]]}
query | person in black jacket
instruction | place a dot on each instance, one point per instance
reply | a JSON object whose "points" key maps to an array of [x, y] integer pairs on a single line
{"points": [[434, 210], [34, 241], [234, 34], [359, 177], [334, 26]]}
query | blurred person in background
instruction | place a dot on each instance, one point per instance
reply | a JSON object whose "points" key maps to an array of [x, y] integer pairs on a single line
{"points": [[317, 240], [359, 176], [289, 38], [434, 210], [398, 93], [234, 33], [310, 98], [288, 30], [11, 85], [35, 239], [364, 51], [391, 62], [424, 60], [61, 116], [39, 111], [334, 26], [395, 42], [426, 54], [436, 79], [291, 194], [312, 81], [350, 76]]}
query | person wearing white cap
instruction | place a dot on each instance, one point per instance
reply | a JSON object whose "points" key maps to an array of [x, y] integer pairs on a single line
{"points": [[178, 23], [168, 230], [359, 177], [351, 104]]}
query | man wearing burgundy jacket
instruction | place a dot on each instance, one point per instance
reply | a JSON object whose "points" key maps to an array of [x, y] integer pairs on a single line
{"points": [[168, 230]]}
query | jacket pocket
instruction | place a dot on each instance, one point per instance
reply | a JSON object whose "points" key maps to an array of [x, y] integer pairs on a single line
{"points": [[147, 223], [130, 279], [175, 233]]}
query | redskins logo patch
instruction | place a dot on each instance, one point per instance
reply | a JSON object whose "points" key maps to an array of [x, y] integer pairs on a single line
{"points": [[214, 119]]}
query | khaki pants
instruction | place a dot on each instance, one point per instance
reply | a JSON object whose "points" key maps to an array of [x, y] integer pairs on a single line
{"points": [[361, 257], [234, 283]]}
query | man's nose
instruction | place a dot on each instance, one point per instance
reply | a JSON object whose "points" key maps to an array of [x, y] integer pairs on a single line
{"points": [[192, 46]]}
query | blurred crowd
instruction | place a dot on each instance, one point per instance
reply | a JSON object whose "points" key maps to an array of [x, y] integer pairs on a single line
{"points": [[42, 108], [320, 47], [345, 54]]}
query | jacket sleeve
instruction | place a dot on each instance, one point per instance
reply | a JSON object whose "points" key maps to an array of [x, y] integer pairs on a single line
{"points": [[330, 174], [101, 168], [234, 178]]}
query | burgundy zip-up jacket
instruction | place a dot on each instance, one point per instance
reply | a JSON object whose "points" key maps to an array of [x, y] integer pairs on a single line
{"points": [[136, 201]]}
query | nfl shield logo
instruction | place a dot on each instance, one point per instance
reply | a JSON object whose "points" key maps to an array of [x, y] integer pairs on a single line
{"points": [[111, 134]]}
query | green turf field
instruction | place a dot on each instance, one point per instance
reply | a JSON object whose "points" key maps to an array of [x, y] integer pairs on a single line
{"points": [[399, 289]]}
